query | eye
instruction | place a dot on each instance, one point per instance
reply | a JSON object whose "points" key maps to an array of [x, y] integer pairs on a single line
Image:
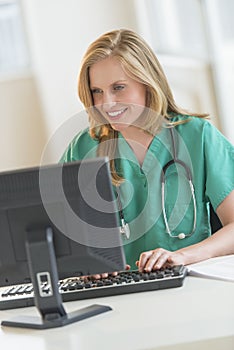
{"points": [[119, 87], [96, 91]]}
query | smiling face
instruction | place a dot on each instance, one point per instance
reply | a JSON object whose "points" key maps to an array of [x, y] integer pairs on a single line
{"points": [[119, 98]]}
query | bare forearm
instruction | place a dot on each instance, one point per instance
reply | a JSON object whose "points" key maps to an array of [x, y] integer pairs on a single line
{"points": [[220, 243]]}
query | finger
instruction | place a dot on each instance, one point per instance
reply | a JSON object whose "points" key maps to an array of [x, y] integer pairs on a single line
{"points": [[127, 267], [104, 275], [156, 260], [98, 276], [152, 261], [114, 273], [144, 257], [161, 261]]}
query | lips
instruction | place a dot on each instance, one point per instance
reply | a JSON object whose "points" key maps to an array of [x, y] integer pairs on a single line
{"points": [[116, 114]]}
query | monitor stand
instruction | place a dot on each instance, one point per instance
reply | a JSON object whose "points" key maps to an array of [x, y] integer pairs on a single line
{"points": [[43, 269]]}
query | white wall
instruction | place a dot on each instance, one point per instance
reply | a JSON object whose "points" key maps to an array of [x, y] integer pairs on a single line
{"points": [[201, 77], [58, 34], [23, 131]]}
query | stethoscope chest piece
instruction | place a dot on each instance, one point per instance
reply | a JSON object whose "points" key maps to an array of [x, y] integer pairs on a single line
{"points": [[124, 229]]}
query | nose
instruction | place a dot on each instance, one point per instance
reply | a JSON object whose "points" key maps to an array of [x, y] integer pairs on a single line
{"points": [[108, 101]]}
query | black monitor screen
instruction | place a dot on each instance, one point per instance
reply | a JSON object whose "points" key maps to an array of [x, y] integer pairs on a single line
{"points": [[76, 201]]}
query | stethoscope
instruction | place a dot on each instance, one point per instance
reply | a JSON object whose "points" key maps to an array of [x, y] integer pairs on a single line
{"points": [[175, 160], [124, 227]]}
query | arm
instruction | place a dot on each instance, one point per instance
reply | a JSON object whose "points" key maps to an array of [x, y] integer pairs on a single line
{"points": [[220, 243]]}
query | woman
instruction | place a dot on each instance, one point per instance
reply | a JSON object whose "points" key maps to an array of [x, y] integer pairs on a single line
{"points": [[135, 121]]}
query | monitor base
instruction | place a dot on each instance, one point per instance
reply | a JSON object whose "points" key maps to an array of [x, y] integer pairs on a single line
{"points": [[59, 321]]}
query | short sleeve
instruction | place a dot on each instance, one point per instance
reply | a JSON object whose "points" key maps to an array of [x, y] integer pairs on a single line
{"points": [[219, 162]]}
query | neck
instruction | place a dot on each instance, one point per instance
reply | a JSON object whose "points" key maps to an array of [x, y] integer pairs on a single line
{"points": [[133, 133], [138, 140]]}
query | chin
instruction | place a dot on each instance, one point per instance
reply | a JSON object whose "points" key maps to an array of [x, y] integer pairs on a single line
{"points": [[119, 126]]}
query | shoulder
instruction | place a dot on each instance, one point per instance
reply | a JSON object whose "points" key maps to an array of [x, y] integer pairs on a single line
{"points": [[203, 138], [82, 146], [197, 128], [210, 134], [211, 155], [82, 138], [190, 122]]}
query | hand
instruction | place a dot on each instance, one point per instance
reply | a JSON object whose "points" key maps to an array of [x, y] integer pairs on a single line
{"points": [[106, 274], [157, 258]]}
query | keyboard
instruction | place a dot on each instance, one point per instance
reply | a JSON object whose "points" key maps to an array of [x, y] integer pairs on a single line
{"points": [[78, 288]]}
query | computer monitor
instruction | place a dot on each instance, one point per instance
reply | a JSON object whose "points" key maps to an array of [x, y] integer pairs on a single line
{"points": [[76, 201]]}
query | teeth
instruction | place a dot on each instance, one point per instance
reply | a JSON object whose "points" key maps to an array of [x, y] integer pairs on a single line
{"points": [[116, 113]]}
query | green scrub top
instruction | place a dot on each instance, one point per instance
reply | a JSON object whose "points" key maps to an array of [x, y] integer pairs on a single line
{"points": [[203, 149]]}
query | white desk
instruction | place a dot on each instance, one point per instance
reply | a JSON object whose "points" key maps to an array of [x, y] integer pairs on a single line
{"points": [[199, 315]]}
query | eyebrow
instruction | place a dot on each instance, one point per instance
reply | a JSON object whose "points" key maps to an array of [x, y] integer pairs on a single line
{"points": [[115, 82]]}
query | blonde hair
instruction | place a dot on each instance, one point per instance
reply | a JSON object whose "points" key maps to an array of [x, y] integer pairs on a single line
{"points": [[141, 64]]}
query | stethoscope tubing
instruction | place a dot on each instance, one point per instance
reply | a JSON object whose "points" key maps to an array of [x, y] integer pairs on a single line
{"points": [[125, 230], [175, 160]]}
